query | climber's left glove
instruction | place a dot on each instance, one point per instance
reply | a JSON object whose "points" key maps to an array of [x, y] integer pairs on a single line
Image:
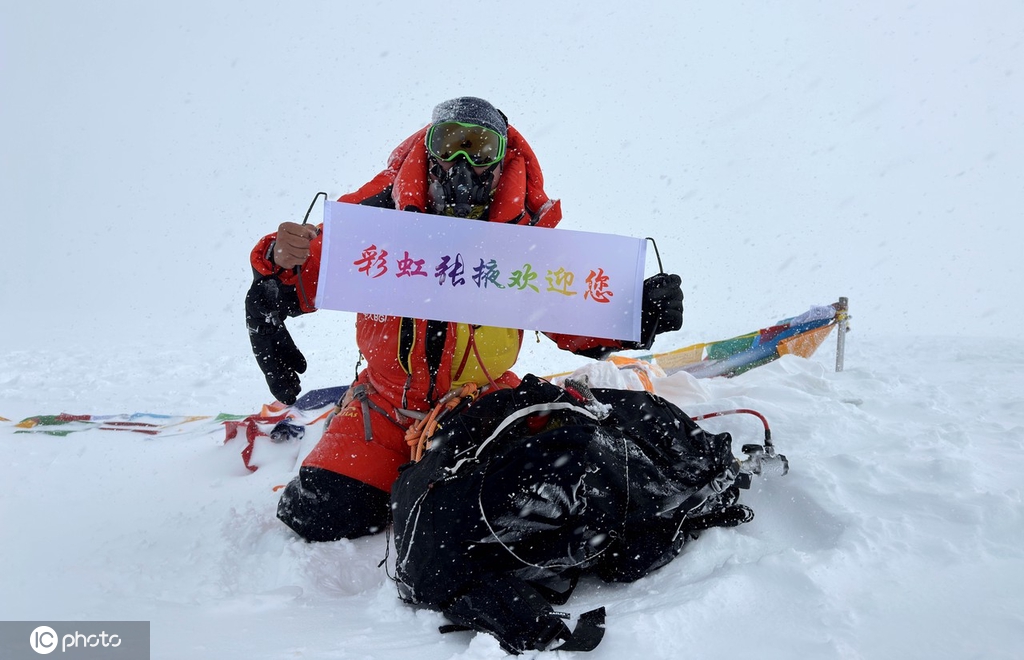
{"points": [[662, 307]]}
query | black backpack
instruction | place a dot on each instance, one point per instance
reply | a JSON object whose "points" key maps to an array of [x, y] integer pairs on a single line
{"points": [[526, 489]]}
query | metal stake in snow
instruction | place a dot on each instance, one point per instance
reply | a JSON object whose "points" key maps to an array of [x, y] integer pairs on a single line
{"points": [[841, 317]]}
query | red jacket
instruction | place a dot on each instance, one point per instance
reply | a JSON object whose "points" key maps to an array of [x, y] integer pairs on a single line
{"points": [[409, 361]]}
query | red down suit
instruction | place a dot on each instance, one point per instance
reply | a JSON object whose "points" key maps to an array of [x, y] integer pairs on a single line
{"points": [[342, 487]]}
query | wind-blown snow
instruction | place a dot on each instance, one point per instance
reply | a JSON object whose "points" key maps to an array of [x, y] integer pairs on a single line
{"points": [[782, 156]]}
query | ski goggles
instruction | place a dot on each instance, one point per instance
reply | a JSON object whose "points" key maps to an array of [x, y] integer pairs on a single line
{"points": [[481, 146]]}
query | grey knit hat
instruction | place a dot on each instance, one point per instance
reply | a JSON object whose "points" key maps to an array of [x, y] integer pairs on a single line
{"points": [[471, 110]]}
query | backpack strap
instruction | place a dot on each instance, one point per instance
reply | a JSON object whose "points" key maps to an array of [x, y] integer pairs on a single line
{"points": [[406, 341], [588, 633], [519, 618], [437, 337], [433, 347]]}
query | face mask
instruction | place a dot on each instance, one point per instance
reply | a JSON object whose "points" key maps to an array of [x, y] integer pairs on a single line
{"points": [[460, 191]]}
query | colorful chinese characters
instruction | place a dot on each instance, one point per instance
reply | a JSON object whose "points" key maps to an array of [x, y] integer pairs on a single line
{"points": [[373, 263]]}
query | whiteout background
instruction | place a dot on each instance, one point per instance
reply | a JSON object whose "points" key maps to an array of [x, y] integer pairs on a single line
{"points": [[782, 157]]}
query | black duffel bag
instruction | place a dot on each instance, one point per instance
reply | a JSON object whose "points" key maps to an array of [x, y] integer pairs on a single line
{"points": [[526, 489]]}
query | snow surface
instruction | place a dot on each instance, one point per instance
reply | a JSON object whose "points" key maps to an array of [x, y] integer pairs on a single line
{"points": [[782, 156]]}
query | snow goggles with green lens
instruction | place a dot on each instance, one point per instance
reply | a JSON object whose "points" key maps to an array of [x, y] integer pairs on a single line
{"points": [[481, 146]]}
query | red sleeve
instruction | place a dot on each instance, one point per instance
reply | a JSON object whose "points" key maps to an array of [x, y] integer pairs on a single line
{"points": [[589, 346], [374, 187], [260, 257], [305, 281]]}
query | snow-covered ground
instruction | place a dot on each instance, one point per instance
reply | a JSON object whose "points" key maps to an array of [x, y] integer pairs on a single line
{"points": [[896, 534], [782, 156]]}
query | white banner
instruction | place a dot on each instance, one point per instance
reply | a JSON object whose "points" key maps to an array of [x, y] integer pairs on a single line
{"points": [[382, 261]]}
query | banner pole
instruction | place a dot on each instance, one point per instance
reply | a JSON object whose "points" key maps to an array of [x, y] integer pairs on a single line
{"points": [[842, 309]]}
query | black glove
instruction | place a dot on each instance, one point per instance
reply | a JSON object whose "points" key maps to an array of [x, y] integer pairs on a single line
{"points": [[662, 307], [267, 303]]}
